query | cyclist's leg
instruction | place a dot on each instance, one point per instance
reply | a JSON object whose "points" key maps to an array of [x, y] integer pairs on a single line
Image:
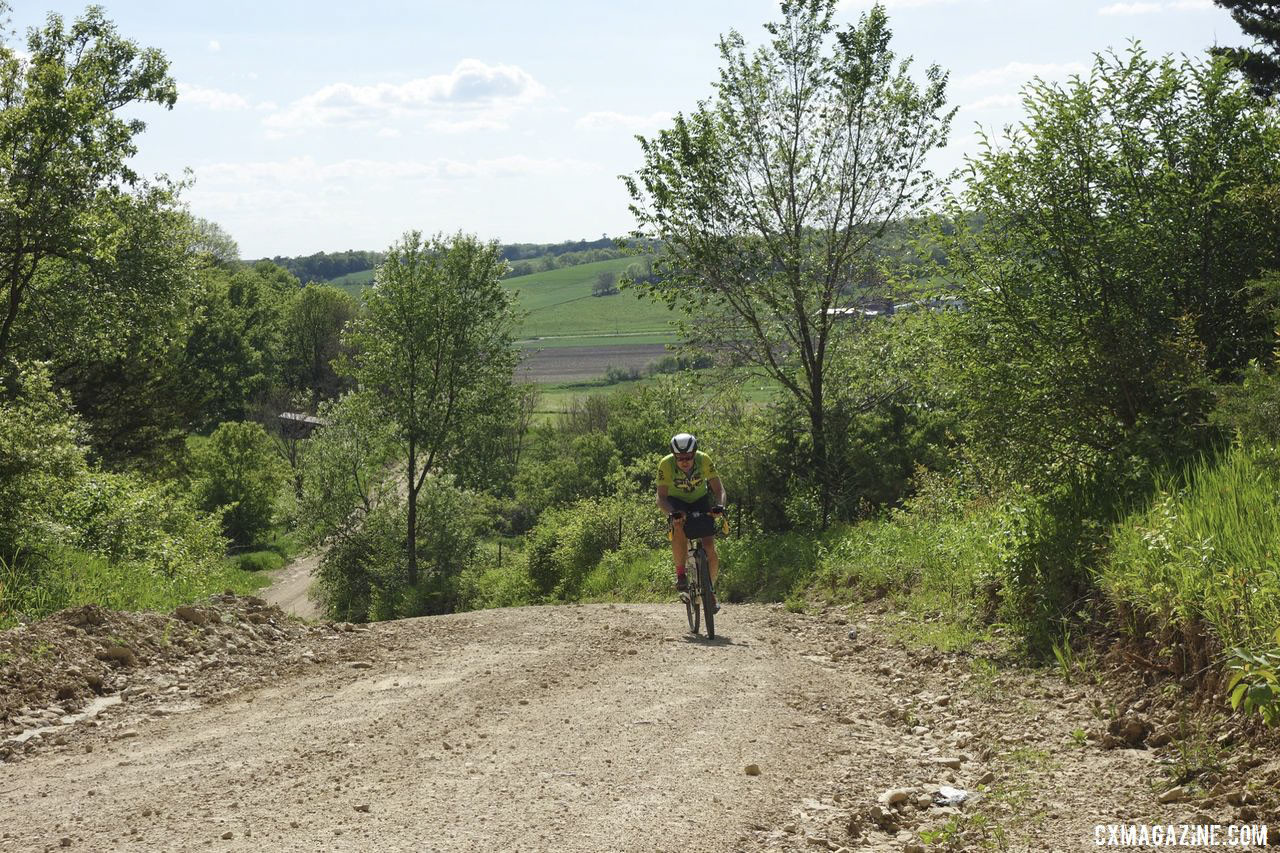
{"points": [[679, 544], [713, 559]]}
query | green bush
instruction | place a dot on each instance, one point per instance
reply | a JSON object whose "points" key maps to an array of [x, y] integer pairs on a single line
{"points": [[239, 474], [766, 567], [139, 525], [37, 584], [570, 541], [560, 469], [632, 573], [943, 563], [41, 458], [363, 576], [486, 585]]}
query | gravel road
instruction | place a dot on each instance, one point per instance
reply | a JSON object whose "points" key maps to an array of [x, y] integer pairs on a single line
{"points": [[230, 726], [566, 729], [291, 586]]}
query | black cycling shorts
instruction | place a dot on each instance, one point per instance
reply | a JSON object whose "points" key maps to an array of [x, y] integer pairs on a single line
{"points": [[695, 528]]}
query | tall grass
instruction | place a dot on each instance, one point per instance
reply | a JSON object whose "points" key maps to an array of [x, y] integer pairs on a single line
{"points": [[1206, 552], [36, 586]]}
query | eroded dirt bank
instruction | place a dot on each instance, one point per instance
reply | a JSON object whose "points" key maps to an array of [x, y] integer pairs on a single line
{"points": [[568, 728]]}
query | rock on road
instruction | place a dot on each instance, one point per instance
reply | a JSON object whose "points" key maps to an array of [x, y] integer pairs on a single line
{"points": [[548, 728]]}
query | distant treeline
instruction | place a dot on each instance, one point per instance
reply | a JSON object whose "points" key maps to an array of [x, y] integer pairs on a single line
{"points": [[524, 258], [326, 266]]}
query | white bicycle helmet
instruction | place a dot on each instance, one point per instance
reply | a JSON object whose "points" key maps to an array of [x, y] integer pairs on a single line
{"points": [[683, 443]]}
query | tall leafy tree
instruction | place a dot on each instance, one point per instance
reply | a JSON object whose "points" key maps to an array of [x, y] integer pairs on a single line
{"points": [[434, 350], [233, 355], [64, 153], [313, 334], [769, 199], [1261, 61], [1109, 281]]}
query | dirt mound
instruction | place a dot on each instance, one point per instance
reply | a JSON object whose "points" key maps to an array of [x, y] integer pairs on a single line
{"points": [[53, 669]]}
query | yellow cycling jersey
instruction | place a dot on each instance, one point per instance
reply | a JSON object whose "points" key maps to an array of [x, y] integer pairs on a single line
{"points": [[686, 487]]}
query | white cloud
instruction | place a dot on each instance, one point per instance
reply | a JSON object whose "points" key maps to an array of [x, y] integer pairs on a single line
{"points": [[1130, 9], [993, 102], [214, 99], [1016, 73], [607, 120], [472, 95], [214, 46], [1146, 8], [306, 171]]}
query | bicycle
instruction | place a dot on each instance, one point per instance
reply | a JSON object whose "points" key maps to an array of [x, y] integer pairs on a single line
{"points": [[699, 598]]}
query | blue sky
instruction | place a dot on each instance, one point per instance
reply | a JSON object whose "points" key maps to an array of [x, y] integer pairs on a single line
{"points": [[328, 126]]}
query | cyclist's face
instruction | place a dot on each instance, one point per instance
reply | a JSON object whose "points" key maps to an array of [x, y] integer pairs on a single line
{"points": [[684, 460]]}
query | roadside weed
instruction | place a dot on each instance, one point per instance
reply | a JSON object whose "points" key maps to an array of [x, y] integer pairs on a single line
{"points": [[966, 832], [1255, 682]]}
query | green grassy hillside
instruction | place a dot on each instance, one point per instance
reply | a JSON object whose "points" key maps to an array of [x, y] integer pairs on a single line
{"points": [[558, 303]]}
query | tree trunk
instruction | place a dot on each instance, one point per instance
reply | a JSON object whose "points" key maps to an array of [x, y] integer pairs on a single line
{"points": [[820, 466], [411, 544]]}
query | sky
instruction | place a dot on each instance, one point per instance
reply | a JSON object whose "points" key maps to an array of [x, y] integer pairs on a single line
{"points": [[323, 126]]}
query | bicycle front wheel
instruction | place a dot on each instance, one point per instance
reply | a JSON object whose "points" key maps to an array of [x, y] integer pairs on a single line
{"points": [[691, 610], [708, 604]]}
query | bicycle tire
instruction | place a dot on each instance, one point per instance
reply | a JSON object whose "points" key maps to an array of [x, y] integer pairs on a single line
{"points": [[691, 610], [704, 586]]}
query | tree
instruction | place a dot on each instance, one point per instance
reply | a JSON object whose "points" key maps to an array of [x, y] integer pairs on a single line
{"points": [[768, 201], [312, 337], [64, 156], [123, 365], [1108, 283], [1260, 63], [233, 355], [434, 349], [606, 283], [239, 474]]}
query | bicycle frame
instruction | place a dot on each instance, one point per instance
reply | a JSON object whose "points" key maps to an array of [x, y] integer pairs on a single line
{"points": [[699, 598]]}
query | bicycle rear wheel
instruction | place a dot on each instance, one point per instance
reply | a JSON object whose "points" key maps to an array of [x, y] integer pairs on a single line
{"points": [[704, 586]]}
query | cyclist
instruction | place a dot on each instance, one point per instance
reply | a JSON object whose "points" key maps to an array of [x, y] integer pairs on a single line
{"points": [[686, 482]]}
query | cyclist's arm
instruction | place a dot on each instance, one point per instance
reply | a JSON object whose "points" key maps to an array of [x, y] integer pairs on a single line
{"points": [[717, 489], [663, 503]]}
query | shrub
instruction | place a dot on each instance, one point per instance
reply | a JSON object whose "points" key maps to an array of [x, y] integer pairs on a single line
{"points": [[632, 573], [486, 585], [239, 475], [562, 470], [40, 458], [765, 568], [363, 576], [150, 527], [570, 541]]}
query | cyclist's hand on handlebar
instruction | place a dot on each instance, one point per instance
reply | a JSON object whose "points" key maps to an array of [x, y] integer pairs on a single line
{"points": [[675, 516], [717, 510]]}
